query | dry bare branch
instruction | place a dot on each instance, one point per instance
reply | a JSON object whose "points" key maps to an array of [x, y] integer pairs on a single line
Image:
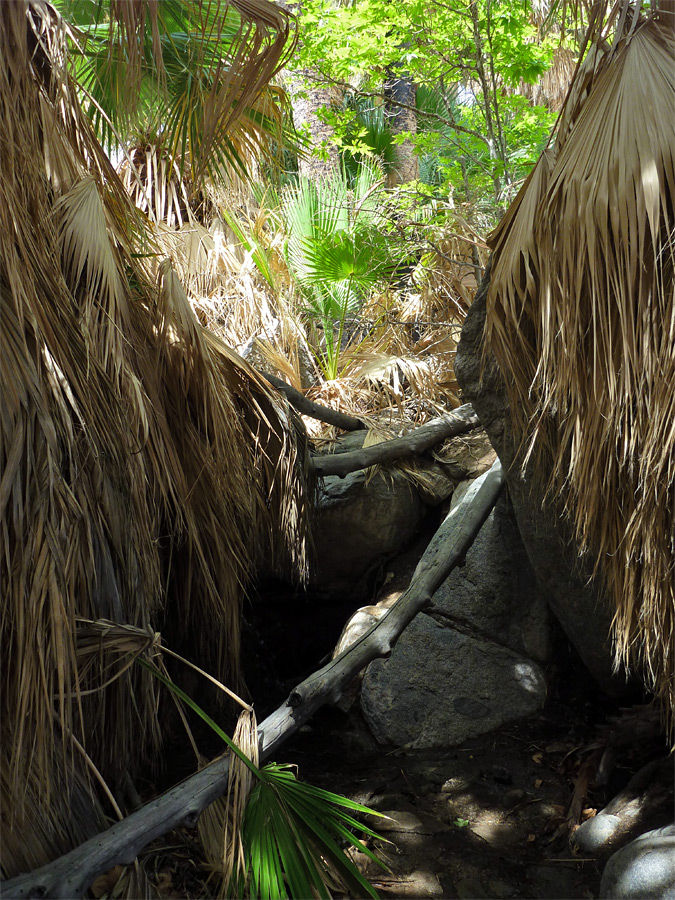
{"points": [[456, 422]]}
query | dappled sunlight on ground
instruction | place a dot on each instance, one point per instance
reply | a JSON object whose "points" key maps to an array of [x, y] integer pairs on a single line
{"points": [[479, 820]]}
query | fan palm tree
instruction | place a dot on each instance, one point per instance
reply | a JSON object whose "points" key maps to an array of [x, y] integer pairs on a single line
{"points": [[181, 90], [581, 315], [142, 462], [337, 251]]}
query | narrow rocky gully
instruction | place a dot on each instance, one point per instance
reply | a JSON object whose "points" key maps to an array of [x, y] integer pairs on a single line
{"points": [[483, 738]]}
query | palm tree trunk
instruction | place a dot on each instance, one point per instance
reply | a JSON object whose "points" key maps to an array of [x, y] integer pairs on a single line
{"points": [[400, 97]]}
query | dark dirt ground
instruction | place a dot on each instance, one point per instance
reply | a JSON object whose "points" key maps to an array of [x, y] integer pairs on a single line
{"points": [[490, 818]]}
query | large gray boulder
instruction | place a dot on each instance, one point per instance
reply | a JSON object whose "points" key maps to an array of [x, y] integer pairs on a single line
{"points": [[440, 687], [564, 578], [644, 804], [364, 519], [643, 870], [359, 524], [468, 664], [494, 595]]}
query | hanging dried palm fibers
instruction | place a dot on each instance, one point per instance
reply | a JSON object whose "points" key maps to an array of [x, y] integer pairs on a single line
{"points": [[142, 464], [581, 318]]}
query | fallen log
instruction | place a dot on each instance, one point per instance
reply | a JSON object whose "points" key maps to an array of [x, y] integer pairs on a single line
{"points": [[70, 875], [446, 549], [314, 410], [459, 421]]}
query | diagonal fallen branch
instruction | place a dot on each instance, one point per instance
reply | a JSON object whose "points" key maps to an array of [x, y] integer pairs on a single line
{"points": [[71, 874], [456, 422], [446, 549], [314, 410], [433, 432]]}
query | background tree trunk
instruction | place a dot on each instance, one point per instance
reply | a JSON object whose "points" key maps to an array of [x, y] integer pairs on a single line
{"points": [[306, 102], [400, 96], [308, 94]]}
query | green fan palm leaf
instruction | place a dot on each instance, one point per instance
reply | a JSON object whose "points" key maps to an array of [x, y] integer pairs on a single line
{"points": [[293, 833], [335, 250], [193, 76]]}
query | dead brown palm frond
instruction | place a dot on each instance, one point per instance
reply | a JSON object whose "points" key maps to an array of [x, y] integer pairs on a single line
{"points": [[256, 56], [281, 363], [451, 271], [220, 823], [581, 315], [124, 883], [105, 650], [164, 187], [380, 431], [140, 462], [395, 376], [232, 298], [405, 357], [156, 184], [68, 823], [339, 394]]}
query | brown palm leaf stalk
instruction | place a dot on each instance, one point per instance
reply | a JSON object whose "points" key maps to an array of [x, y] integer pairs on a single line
{"points": [[142, 463], [581, 318]]}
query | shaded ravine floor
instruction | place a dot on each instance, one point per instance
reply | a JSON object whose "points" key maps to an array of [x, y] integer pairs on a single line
{"points": [[485, 819]]}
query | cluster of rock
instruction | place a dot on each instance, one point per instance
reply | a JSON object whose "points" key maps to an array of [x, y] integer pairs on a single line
{"points": [[472, 661]]}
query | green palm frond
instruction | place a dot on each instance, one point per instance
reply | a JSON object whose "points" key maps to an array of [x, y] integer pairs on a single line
{"points": [[335, 250], [332, 230], [293, 833], [371, 135], [332, 303], [360, 256], [293, 836], [252, 245], [316, 208], [194, 75]]}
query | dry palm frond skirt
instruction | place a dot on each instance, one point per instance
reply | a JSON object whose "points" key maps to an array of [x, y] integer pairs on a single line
{"points": [[581, 319], [142, 463]]}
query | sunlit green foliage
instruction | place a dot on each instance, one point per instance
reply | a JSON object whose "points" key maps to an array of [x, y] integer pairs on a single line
{"points": [[293, 833], [475, 135], [166, 76], [337, 250]]}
